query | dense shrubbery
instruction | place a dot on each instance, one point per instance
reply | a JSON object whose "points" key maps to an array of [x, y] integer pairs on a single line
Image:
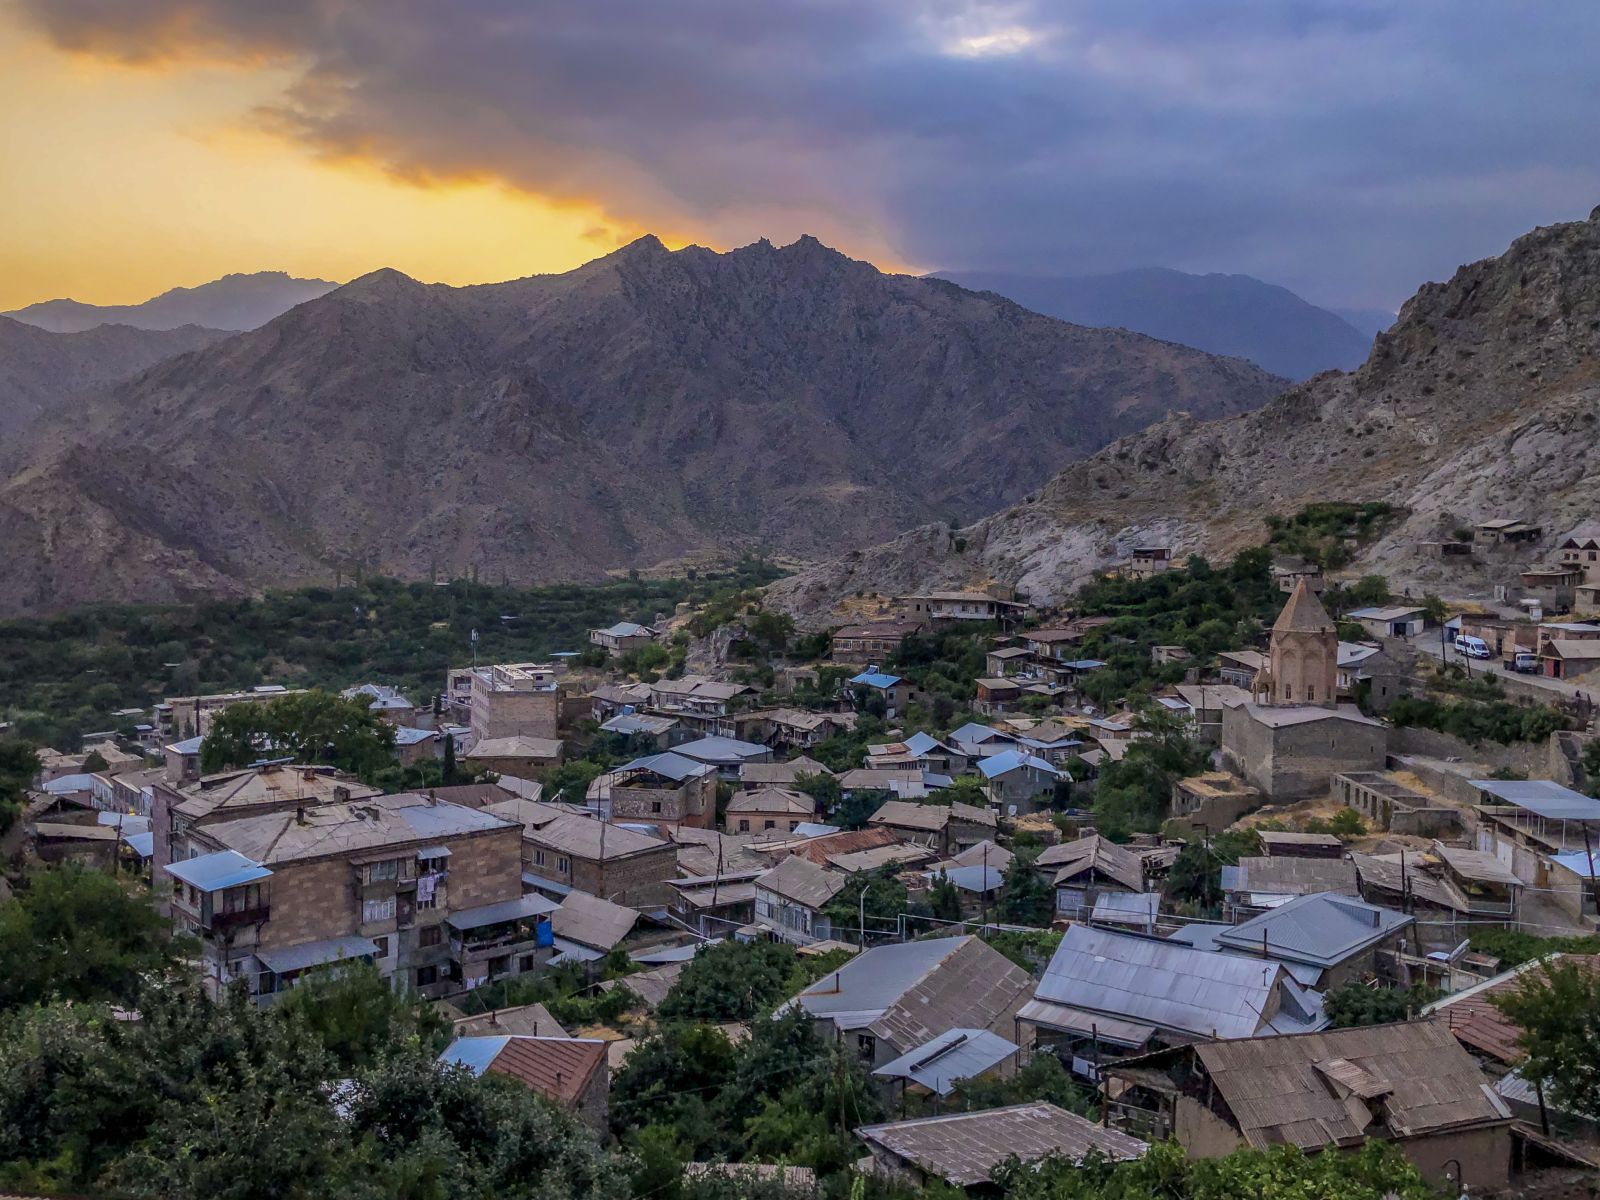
{"points": [[66, 674], [1355, 1003], [1513, 947], [1497, 721], [1319, 533]]}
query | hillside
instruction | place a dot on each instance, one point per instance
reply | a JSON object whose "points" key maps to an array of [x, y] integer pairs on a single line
{"points": [[647, 405], [41, 372], [234, 302], [1234, 315], [1480, 402]]}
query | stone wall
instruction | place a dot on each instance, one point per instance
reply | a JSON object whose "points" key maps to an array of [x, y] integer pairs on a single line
{"points": [[1531, 758], [1298, 762]]}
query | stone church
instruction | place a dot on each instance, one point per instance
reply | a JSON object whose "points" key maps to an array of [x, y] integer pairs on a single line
{"points": [[1293, 735]]}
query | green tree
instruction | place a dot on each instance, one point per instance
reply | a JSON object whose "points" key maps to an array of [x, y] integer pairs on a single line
{"points": [[357, 1016], [1557, 1008], [876, 897], [1354, 1003], [673, 1078], [945, 899], [76, 934], [1025, 898], [312, 727], [731, 981], [94, 761], [18, 766]]}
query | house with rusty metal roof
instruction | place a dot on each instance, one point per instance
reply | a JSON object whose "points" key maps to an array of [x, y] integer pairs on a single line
{"points": [[1477, 1022], [1082, 871], [571, 1072], [1410, 1083], [891, 999], [948, 828], [791, 897], [963, 1149]]}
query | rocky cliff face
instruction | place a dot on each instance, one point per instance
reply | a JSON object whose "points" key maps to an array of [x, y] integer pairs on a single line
{"points": [[234, 302], [1481, 401], [648, 405]]}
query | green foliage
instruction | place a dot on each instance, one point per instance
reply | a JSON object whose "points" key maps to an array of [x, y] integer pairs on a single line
{"points": [[358, 1017], [77, 935], [824, 789], [1498, 721], [1135, 794], [1044, 1078], [1317, 533], [18, 765], [563, 990], [1354, 1003], [1591, 769], [1513, 947], [64, 674], [1025, 898], [1377, 1171], [732, 981], [1346, 823], [311, 727], [945, 899], [1557, 1007], [94, 761], [1196, 874], [673, 1079], [885, 900], [1030, 950]]}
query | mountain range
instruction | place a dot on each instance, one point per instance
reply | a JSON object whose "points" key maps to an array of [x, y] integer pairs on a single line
{"points": [[1235, 315], [234, 302], [648, 405], [1482, 401]]}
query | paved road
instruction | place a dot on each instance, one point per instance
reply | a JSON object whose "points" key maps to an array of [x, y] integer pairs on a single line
{"points": [[1428, 644]]}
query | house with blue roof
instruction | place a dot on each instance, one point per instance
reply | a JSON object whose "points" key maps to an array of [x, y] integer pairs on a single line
{"points": [[1018, 781], [894, 692]]}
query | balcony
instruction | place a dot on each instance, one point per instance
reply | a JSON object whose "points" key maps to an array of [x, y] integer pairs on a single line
{"points": [[243, 916]]}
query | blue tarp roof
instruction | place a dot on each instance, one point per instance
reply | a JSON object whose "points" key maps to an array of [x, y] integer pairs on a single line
{"points": [[1084, 664], [142, 844], [214, 872]]}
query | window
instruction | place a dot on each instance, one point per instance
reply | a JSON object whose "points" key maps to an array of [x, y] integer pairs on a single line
{"points": [[382, 944], [433, 866], [525, 964], [427, 975], [242, 899], [538, 858], [866, 1046], [769, 825], [429, 935], [1311, 694], [655, 806], [377, 910], [563, 865], [744, 826], [377, 872]]}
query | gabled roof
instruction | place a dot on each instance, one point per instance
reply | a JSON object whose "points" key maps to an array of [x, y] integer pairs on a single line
{"points": [[802, 881], [1174, 986], [670, 765], [1303, 613], [721, 750], [628, 629], [954, 1055], [911, 992], [1475, 1020], [965, 1148], [1322, 929], [1065, 861], [849, 841], [518, 745], [591, 921], [780, 772], [1293, 1089], [773, 799], [559, 1068], [1012, 760]]}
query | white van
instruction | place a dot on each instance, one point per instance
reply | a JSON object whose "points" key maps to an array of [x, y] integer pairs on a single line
{"points": [[1472, 647]]}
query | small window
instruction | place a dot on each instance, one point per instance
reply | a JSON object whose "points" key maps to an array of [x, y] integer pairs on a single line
{"points": [[563, 865], [538, 858], [377, 872], [429, 935], [427, 976], [655, 806], [769, 825], [744, 826], [382, 944]]}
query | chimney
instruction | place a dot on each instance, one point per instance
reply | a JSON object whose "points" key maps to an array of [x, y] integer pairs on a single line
{"points": [[494, 1016], [299, 814], [433, 796], [341, 793]]}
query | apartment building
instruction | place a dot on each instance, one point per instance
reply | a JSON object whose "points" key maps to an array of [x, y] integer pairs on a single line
{"points": [[179, 717]]}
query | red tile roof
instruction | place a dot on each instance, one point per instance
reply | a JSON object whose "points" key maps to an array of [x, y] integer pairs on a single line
{"points": [[555, 1067]]}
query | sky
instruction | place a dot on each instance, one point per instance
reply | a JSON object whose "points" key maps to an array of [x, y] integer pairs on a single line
{"points": [[1347, 149]]}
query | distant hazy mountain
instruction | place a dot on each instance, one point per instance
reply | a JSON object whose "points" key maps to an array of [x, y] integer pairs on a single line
{"points": [[645, 406], [1371, 321], [234, 302], [1221, 314]]}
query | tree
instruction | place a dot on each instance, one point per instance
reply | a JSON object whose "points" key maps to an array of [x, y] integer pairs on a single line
{"points": [[357, 1015], [75, 934], [449, 759], [875, 896], [1354, 1003], [731, 981], [18, 765], [1196, 874], [313, 727], [945, 899], [1025, 898], [1557, 1008], [94, 761], [672, 1079]]}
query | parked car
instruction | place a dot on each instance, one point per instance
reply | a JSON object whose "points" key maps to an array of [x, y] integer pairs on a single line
{"points": [[1472, 647]]}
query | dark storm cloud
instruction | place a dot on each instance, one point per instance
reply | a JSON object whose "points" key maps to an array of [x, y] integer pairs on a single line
{"points": [[1349, 149]]}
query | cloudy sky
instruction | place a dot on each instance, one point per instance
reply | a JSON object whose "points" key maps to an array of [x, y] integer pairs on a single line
{"points": [[1349, 149]]}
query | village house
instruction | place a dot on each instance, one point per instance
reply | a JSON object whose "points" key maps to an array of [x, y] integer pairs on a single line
{"points": [[769, 809], [1324, 939], [790, 899], [623, 638], [572, 1073], [779, 774], [1206, 703], [1541, 830], [1552, 586], [891, 691], [1008, 660], [941, 1067], [616, 699], [795, 729], [996, 696], [921, 751], [564, 852], [1241, 668], [1286, 575], [428, 891], [893, 999], [964, 1149], [715, 905], [413, 745], [1083, 871], [862, 645], [1580, 550], [1505, 531], [1408, 1083], [1212, 801], [946, 828], [1448, 890], [664, 789], [946, 609], [587, 928], [725, 755], [646, 732], [1563, 658], [1018, 782], [1396, 620], [702, 705], [518, 755], [1149, 560], [1257, 883], [387, 703], [1107, 994]]}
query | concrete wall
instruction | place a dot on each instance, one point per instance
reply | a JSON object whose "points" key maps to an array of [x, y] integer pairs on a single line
{"points": [[1298, 762], [1202, 1133], [1478, 1158], [1531, 758]]}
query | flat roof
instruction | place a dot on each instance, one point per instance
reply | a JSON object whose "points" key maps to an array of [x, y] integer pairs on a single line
{"points": [[1542, 797]]}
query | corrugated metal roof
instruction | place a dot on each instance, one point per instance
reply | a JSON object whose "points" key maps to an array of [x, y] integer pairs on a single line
{"points": [[531, 905], [1542, 797], [1068, 860], [591, 921], [1096, 1025], [1172, 986], [964, 1148], [1128, 908], [555, 1067], [669, 766], [1323, 929], [721, 750], [952, 1056], [1286, 876], [1013, 760], [1287, 1089], [973, 986], [316, 954], [875, 679], [802, 881], [222, 869], [860, 991]]}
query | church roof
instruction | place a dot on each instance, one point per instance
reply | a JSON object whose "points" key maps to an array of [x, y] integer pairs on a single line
{"points": [[1304, 613]]}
